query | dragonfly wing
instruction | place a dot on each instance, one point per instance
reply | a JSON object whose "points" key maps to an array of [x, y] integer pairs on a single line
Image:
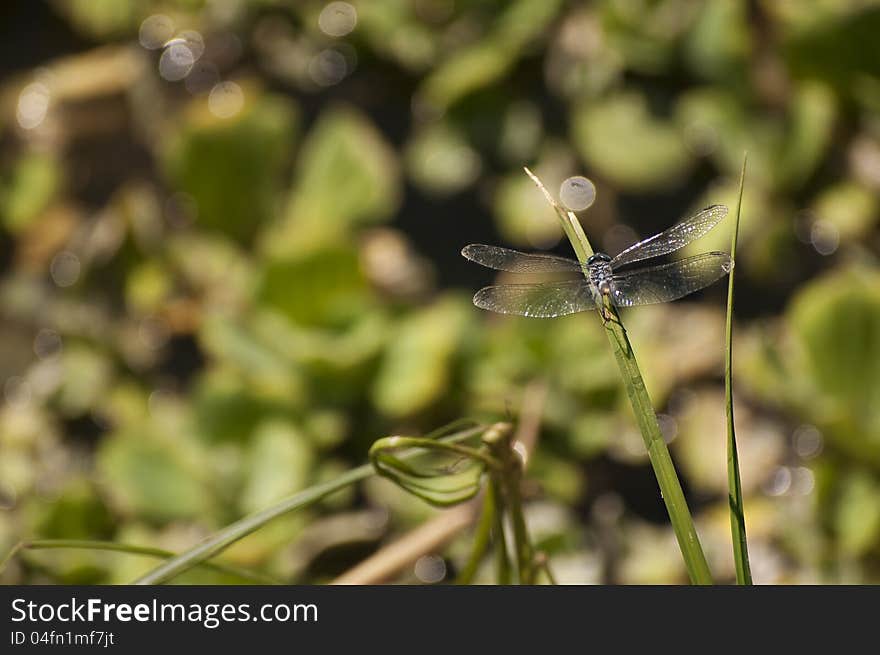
{"points": [[676, 237], [544, 300], [671, 281], [504, 259]]}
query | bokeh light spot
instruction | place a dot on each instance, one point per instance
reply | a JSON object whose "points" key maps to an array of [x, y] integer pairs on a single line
{"points": [[176, 62], [803, 481], [47, 343], [577, 193], [155, 31], [65, 268], [192, 40], [337, 19], [780, 482], [807, 441], [328, 67], [33, 104], [225, 100], [825, 237], [430, 569]]}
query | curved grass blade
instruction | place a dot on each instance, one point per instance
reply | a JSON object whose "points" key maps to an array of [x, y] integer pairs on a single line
{"points": [[443, 474], [734, 484], [148, 551], [224, 538]]}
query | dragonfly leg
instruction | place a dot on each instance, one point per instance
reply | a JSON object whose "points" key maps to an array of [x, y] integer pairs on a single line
{"points": [[608, 316]]}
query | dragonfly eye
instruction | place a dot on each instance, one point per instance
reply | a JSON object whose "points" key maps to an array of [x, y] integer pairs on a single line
{"points": [[598, 257]]}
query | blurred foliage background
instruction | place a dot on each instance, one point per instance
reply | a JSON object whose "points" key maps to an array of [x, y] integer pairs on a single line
{"points": [[229, 247]]}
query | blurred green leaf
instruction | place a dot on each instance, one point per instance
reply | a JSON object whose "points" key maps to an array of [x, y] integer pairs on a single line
{"points": [[851, 208], [231, 167], [235, 345], [837, 49], [85, 379], [321, 287], [857, 519], [836, 321], [150, 477], [440, 160], [720, 41], [645, 32], [417, 367], [76, 513], [280, 463], [148, 286], [472, 68], [102, 19], [228, 409], [522, 214], [809, 133], [620, 139], [346, 175], [31, 185], [414, 44]]}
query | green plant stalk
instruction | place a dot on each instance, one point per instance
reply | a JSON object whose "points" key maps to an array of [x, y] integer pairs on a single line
{"points": [[520, 534], [509, 477], [482, 536], [658, 453], [734, 484], [224, 538], [502, 562], [149, 551]]}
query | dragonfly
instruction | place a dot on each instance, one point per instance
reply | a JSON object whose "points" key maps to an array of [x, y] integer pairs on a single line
{"points": [[625, 280]]}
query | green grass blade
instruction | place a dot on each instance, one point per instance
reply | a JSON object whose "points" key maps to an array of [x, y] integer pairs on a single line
{"points": [[658, 453], [502, 559], [230, 534], [148, 551], [482, 537], [734, 485]]}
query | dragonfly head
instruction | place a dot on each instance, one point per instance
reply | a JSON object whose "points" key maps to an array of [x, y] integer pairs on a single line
{"points": [[598, 257]]}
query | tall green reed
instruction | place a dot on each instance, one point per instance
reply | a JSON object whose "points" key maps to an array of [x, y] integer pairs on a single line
{"points": [[734, 484], [658, 453]]}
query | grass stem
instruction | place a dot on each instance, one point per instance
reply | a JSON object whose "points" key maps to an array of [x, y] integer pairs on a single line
{"points": [[482, 536], [224, 538], [149, 551], [734, 484], [509, 478], [658, 453]]}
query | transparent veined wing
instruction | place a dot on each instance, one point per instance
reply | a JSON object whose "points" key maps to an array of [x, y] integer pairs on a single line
{"points": [[504, 259], [542, 300], [670, 281], [676, 237]]}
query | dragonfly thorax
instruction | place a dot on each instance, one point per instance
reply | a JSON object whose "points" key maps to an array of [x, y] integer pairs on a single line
{"points": [[601, 275]]}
